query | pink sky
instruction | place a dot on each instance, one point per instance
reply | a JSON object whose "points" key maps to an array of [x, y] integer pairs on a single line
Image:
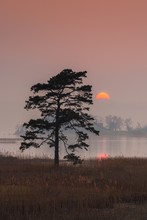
{"points": [[108, 38]]}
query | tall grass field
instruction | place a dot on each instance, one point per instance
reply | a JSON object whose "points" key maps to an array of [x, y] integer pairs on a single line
{"points": [[33, 189]]}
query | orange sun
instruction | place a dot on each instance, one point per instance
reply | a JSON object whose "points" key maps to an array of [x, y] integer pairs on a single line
{"points": [[103, 95]]}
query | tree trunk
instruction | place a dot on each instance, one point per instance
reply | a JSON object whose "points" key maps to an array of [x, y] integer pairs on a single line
{"points": [[56, 160]]}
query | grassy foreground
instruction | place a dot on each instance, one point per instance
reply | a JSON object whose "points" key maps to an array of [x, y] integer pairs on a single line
{"points": [[109, 189]]}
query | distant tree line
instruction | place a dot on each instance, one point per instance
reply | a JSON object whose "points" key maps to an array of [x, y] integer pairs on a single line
{"points": [[116, 123]]}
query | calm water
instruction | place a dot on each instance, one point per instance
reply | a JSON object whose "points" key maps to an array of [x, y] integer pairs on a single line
{"points": [[114, 146]]}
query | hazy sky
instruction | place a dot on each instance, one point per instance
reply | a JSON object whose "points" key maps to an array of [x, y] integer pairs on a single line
{"points": [[108, 38]]}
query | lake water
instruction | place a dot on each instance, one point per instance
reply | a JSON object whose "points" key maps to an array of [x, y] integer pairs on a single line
{"points": [[114, 146]]}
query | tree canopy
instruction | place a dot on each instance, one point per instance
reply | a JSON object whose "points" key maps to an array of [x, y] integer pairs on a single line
{"points": [[64, 104]]}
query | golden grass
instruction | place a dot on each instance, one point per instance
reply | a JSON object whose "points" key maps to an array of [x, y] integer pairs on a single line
{"points": [[109, 189]]}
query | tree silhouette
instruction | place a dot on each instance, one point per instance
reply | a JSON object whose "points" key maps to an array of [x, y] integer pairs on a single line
{"points": [[128, 123], [63, 103], [114, 123]]}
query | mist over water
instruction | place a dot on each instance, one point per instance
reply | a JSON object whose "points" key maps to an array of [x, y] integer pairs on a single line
{"points": [[114, 146]]}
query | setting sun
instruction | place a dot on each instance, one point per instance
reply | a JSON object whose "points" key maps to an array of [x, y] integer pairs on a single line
{"points": [[103, 95]]}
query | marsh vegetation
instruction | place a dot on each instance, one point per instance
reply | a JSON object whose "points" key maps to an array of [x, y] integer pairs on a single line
{"points": [[109, 189]]}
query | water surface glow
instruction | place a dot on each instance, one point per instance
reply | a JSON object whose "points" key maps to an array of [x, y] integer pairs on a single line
{"points": [[114, 146]]}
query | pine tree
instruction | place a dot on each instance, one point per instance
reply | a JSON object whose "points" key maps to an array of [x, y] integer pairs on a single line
{"points": [[64, 103]]}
